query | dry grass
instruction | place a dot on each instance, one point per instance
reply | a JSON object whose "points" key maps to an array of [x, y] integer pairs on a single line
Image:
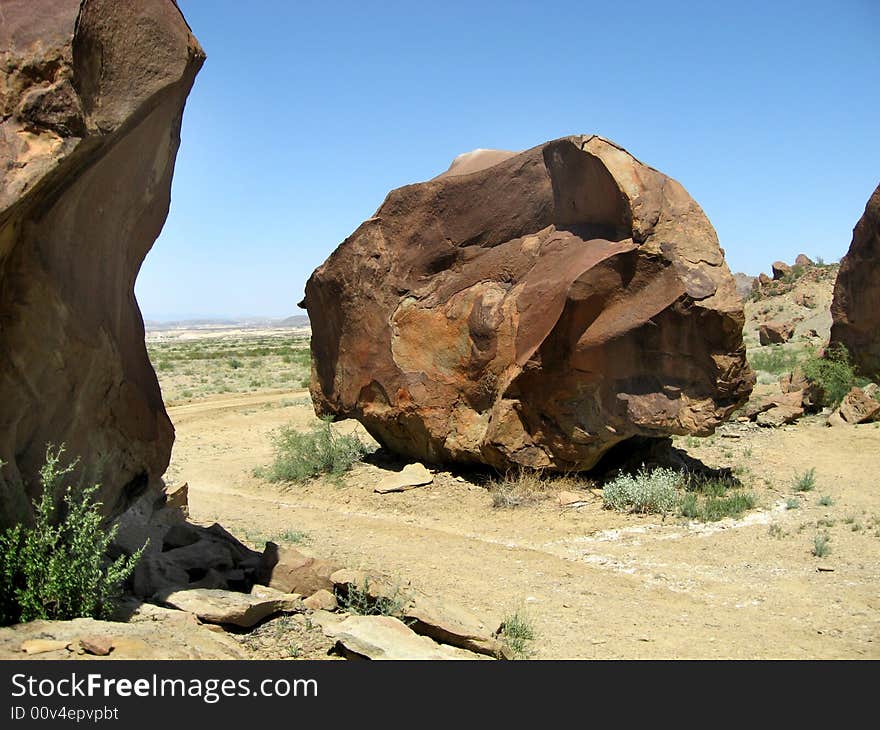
{"points": [[529, 486]]}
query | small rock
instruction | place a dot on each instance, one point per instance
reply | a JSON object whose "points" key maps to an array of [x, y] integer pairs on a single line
{"points": [[223, 607], [857, 407], [803, 260], [779, 415], [780, 269], [570, 499], [775, 333], [293, 572], [41, 646], [835, 419], [385, 637], [96, 645], [411, 476], [321, 600]]}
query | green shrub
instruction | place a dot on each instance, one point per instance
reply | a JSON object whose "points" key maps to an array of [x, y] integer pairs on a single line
{"points": [[234, 363], [775, 359], [709, 499], [792, 503], [646, 491], [58, 568], [365, 602], [300, 456], [820, 545], [516, 632], [806, 482], [833, 374], [825, 501]]}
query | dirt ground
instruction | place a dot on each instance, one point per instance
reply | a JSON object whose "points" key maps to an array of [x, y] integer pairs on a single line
{"points": [[595, 583]]}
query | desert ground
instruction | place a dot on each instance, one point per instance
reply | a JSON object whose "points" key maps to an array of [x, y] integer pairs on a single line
{"points": [[594, 583]]}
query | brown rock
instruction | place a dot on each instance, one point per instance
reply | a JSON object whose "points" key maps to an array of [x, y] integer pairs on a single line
{"points": [[294, 572], [806, 299], [322, 600], [531, 313], [856, 407], [764, 280], [223, 607], [97, 645], [41, 646], [92, 95], [812, 395], [775, 333], [803, 260], [410, 477], [385, 637], [780, 269], [855, 309], [835, 419], [451, 624], [779, 416]]}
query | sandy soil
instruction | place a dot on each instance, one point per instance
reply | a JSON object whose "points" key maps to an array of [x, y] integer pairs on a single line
{"points": [[597, 584]]}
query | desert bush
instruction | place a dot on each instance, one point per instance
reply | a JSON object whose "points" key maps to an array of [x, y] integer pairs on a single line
{"points": [[517, 630], [58, 569], [806, 482], [645, 491], [775, 359], [833, 374], [359, 599], [825, 501], [303, 455], [792, 503], [820, 545]]}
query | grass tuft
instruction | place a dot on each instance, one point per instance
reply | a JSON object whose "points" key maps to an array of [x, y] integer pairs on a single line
{"points": [[517, 631]]}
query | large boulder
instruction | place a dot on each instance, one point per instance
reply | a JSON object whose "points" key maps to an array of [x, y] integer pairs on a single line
{"points": [[535, 311], [855, 310], [91, 94]]}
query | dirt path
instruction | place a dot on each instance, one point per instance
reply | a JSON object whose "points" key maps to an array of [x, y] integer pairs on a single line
{"points": [[597, 584]]}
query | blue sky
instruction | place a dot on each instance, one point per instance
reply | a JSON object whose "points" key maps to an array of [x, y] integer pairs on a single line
{"points": [[307, 113]]}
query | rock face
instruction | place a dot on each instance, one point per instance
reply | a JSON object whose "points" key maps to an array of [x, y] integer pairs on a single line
{"points": [[855, 309], [92, 94], [534, 312]]}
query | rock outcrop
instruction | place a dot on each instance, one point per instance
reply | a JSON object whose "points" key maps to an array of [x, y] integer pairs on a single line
{"points": [[855, 309], [91, 98], [534, 312]]}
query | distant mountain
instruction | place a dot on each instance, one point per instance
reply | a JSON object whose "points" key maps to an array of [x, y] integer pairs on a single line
{"points": [[297, 320]]}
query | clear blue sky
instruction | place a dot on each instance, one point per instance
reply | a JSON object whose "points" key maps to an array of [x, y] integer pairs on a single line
{"points": [[307, 113]]}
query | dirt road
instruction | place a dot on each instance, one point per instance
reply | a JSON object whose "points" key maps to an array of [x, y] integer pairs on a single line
{"points": [[597, 584]]}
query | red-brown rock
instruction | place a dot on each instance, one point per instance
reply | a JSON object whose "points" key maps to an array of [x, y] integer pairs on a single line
{"points": [[775, 333], [803, 260], [537, 312], [858, 407], [780, 269], [91, 95], [855, 310]]}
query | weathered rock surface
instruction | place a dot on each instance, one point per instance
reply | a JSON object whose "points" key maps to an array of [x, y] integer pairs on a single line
{"points": [[290, 571], [385, 637], [855, 309], [859, 407], [218, 606], [535, 312], [91, 99], [410, 477], [159, 634], [775, 333], [780, 269]]}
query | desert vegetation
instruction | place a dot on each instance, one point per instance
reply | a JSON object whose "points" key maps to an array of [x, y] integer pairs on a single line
{"points": [[58, 567]]}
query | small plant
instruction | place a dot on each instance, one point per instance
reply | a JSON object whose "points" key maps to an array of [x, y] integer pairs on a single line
{"points": [[792, 503], [775, 531], [820, 545], [234, 363], [806, 482], [293, 536], [516, 632], [364, 601], [825, 501], [833, 374], [775, 359], [645, 491], [58, 569], [300, 456]]}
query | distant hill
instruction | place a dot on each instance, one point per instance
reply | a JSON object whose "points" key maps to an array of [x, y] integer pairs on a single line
{"points": [[295, 321]]}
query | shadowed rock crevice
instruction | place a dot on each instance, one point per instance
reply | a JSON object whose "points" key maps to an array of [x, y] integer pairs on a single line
{"points": [[534, 311]]}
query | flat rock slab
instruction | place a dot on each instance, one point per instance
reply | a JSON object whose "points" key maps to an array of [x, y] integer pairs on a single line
{"points": [[452, 624], [385, 637], [225, 607], [160, 634], [411, 476]]}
